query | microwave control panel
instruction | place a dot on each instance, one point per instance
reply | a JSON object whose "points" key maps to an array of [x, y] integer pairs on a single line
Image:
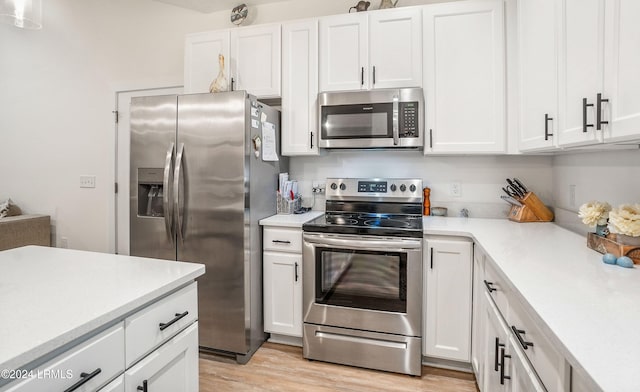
{"points": [[408, 119]]}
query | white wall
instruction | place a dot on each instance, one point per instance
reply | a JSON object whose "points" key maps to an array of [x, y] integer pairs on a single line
{"points": [[481, 177], [610, 176], [57, 91]]}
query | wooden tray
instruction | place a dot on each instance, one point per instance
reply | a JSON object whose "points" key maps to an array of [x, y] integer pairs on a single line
{"points": [[608, 244]]}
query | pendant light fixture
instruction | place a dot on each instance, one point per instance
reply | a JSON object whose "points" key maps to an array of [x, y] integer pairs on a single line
{"points": [[25, 14]]}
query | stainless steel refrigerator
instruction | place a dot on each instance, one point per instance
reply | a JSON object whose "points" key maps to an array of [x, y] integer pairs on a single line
{"points": [[198, 189]]}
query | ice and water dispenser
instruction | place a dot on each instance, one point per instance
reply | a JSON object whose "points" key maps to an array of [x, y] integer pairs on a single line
{"points": [[150, 192]]}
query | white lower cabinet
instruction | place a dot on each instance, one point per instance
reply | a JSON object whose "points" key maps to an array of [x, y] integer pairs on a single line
{"points": [[282, 281], [448, 282], [478, 320], [172, 367], [495, 345], [116, 385]]}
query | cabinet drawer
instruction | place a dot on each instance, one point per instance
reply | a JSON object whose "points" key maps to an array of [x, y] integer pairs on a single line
{"points": [[116, 385], [157, 323], [546, 361], [496, 287], [282, 239], [96, 360]]}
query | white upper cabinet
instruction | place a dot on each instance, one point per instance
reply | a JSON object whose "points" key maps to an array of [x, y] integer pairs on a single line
{"points": [[538, 73], [581, 70], [464, 69], [344, 52], [201, 63], [300, 88], [368, 50], [255, 60], [622, 67], [395, 48]]}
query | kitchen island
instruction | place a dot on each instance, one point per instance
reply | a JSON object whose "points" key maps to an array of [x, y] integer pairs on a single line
{"points": [[587, 309], [56, 301]]}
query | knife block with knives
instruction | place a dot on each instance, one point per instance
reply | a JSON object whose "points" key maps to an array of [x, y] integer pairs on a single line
{"points": [[525, 205]]}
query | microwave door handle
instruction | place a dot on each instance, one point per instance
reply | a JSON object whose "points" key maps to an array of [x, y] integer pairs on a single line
{"points": [[396, 131]]}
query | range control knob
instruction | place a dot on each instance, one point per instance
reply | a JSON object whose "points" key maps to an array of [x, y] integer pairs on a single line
{"points": [[343, 187], [393, 187], [334, 186], [403, 187], [412, 188]]}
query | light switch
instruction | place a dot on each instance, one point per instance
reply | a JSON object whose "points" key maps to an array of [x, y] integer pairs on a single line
{"points": [[87, 181]]}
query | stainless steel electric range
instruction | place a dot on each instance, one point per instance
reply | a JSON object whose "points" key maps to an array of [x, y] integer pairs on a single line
{"points": [[362, 275]]}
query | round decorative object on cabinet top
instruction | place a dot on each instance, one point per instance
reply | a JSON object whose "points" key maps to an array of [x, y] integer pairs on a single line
{"points": [[239, 14]]}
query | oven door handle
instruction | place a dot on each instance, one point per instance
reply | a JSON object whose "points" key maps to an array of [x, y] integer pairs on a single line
{"points": [[386, 244]]}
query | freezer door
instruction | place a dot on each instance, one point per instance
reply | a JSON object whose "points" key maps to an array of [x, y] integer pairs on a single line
{"points": [[153, 133], [210, 185]]}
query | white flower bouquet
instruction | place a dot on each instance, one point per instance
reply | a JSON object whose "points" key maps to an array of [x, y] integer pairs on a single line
{"points": [[625, 220], [594, 213]]}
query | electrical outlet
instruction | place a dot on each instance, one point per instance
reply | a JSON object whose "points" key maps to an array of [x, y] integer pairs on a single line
{"points": [[318, 186], [456, 189], [87, 181], [572, 195]]}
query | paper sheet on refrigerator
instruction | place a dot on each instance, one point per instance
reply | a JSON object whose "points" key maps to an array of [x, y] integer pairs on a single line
{"points": [[269, 152]]}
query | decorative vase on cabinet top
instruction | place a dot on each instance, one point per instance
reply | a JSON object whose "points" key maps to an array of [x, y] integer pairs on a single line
{"points": [[388, 4]]}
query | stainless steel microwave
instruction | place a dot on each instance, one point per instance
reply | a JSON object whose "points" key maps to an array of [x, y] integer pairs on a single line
{"points": [[387, 118]]}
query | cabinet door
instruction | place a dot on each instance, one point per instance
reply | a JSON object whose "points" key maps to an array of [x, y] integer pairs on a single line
{"points": [[622, 62], [465, 77], [282, 293], [201, 63], [344, 52], [538, 61], [255, 60], [495, 341], [447, 318], [477, 332], [116, 385], [300, 88], [172, 367], [523, 377], [581, 70], [395, 46]]}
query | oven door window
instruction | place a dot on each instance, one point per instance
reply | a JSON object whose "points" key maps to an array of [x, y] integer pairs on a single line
{"points": [[362, 279], [357, 121]]}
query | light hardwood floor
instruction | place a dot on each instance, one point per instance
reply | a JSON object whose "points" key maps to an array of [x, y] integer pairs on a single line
{"points": [[276, 367]]}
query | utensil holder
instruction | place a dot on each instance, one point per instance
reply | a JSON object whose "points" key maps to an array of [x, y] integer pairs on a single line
{"points": [[287, 206]]}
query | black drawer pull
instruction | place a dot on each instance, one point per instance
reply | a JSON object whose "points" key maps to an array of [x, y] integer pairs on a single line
{"points": [[599, 120], [143, 388], [585, 105], [179, 316], [518, 333], [296, 271], [281, 242], [502, 357], [84, 378], [489, 286], [546, 126], [496, 364]]}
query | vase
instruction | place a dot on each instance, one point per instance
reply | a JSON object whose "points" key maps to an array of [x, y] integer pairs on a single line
{"points": [[602, 230], [628, 240]]}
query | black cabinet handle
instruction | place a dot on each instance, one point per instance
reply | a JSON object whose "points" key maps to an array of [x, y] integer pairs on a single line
{"points": [[431, 256], [496, 363], [489, 288], [585, 105], [232, 83], [362, 77], [281, 242], [599, 120], [311, 139], [431, 138], [296, 271], [374, 74], [143, 388], [84, 378], [179, 316], [518, 333], [546, 126], [502, 357]]}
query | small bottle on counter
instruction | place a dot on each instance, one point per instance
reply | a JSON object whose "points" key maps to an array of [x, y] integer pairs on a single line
{"points": [[427, 203]]}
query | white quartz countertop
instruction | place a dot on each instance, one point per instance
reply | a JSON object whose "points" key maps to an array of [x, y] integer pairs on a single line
{"points": [[49, 296], [290, 220], [591, 308]]}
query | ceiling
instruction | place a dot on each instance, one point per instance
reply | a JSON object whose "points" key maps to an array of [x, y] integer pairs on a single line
{"points": [[208, 6]]}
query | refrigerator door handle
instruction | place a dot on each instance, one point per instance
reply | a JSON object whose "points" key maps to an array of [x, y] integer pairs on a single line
{"points": [[177, 176], [166, 200]]}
